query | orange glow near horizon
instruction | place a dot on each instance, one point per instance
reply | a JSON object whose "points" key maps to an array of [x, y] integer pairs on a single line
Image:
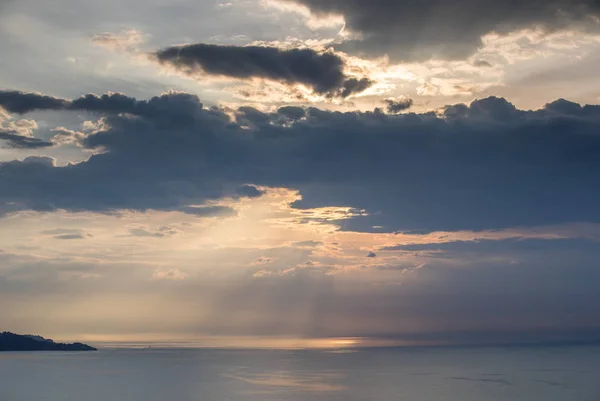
{"points": [[239, 342], [162, 341]]}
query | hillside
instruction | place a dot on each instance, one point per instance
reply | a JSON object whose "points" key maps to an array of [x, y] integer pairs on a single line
{"points": [[17, 342]]}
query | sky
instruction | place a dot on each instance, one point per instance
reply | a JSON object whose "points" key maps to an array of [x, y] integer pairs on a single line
{"points": [[300, 172]]}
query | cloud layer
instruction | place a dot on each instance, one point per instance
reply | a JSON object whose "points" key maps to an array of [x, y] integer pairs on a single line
{"points": [[487, 165], [409, 30]]}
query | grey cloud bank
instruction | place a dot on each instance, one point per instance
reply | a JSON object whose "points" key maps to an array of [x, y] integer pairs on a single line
{"points": [[409, 30], [19, 102], [487, 165]]}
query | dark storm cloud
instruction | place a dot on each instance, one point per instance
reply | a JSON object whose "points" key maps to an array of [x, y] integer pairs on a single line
{"points": [[14, 140], [396, 106], [483, 166], [323, 72], [409, 30]]}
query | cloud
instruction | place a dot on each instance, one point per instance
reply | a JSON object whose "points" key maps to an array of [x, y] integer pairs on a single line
{"points": [[486, 165], [125, 41], [371, 255], [65, 136], [395, 106], [263, 260], [292, 112], [37, 160], [482, 63], [172, 107], [499, 293], [306, 244], [20, 102], [18, 134], [249, 191], [67, 234], [354, 85], [323, 72], [488, 246], [17, 141], [160, 232], [70, 236], [169, 274], [473, 299], [209, 211], [407, 30]]}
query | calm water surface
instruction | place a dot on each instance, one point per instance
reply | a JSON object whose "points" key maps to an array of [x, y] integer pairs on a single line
{"points": [[428, 374]]}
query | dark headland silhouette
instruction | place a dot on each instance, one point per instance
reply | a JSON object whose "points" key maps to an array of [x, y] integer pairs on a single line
{"points": [[26, 342]]}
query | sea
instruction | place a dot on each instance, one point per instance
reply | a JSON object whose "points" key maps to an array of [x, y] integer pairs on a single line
{"points": [[557, 373]]}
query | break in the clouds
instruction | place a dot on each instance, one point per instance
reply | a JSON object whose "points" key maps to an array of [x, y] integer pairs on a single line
{"points": [[484, 165], [409, 30], [323, 72]]}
